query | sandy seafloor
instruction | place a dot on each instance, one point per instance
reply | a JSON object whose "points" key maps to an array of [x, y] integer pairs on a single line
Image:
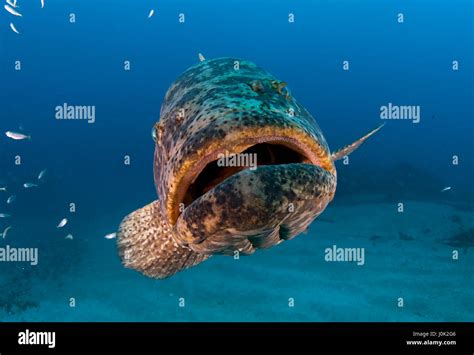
{"points": [[406, 256]]}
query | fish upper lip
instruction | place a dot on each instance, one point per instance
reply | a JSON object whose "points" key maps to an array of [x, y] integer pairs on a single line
{"points": [[231, 148], [320, 158]]}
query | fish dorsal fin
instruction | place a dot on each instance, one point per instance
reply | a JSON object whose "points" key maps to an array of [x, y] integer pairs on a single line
{"points": [[348, 149]]}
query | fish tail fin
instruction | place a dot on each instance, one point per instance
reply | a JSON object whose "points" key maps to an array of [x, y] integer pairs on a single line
{"points": [[146, 244], [348, 149]]}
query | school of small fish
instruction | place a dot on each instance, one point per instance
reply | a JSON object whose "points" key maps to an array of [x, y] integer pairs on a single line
{"points": [[11, 7], [12, 197], [41, 179], [27, 185]]}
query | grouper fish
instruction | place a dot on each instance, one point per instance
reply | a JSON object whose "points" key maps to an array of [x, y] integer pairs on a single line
{"points": [[230, 107]]}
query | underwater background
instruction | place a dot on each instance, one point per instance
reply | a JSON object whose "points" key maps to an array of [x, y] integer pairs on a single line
{"points": [[419, 262]]}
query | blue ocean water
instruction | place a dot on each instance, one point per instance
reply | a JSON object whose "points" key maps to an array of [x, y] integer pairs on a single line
{"points": [[410, 270]]}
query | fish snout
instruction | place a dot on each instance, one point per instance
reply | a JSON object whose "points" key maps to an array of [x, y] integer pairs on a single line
{"points": [[256, 209]]}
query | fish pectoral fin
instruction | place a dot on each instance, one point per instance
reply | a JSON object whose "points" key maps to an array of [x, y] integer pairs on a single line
{"points": [[348, 149], [146, 244]]}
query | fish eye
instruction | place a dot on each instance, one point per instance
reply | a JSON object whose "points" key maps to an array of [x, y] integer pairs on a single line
{"points": [[256, 86], [286, 93]]}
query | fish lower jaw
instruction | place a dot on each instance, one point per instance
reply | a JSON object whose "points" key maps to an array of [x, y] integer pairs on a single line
{"points": [[255, 209]]}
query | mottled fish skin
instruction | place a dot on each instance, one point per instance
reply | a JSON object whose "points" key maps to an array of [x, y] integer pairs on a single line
{"points": [[222, 104], [145, 244]]}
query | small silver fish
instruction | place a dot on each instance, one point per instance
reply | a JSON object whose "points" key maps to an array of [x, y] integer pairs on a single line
{"points": [[4, 234], [12, 26], [42, 4], [110, 236], [4, 215], [3, 189], [69, 236], [446, 188], [42, 174], [11, 199], [201, 57], [12, 10], [28, 185], [152, 12], [16, 136], [62, 223], [12, 4]]}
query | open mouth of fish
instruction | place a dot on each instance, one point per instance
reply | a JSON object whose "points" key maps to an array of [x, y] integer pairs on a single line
{"points": [[207, 173], [250, 207]]}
